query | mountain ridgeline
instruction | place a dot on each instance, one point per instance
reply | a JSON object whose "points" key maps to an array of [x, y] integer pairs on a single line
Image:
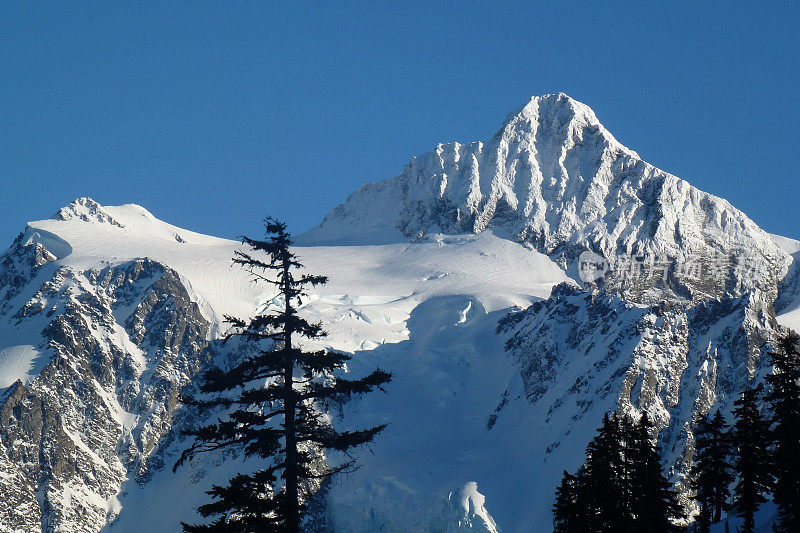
{"points": [[519, 289]]}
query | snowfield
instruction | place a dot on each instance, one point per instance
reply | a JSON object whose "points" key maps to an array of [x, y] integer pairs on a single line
{"points": [[789, 315], [372, 288], [19, 363], [425, 310]]}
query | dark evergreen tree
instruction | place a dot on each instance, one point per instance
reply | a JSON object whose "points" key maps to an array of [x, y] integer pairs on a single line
{"points": [[712, 472], [273, 401], [627, 447], [752, 459], [600, 491], [655, 504], [566, 509], [621, 487], [784, 399]]}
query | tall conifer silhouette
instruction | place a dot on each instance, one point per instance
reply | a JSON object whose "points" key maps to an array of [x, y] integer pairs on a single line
{"points": [[655, 503], [712, 471], [752, 463], [621, 487], [272, 401], [566, 510], [784, 399]]}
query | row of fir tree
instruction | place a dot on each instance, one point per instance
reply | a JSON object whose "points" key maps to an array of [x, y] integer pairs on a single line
{"points": [[735, 468]]}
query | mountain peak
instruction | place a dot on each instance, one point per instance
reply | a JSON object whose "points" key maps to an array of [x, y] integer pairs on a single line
{"points": [[548, 156], [554, 101], [87, 210], [556, 179], [560, 115]]}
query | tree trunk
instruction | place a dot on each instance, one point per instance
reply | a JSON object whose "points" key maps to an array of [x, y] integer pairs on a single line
{"points": [[289, 404]]}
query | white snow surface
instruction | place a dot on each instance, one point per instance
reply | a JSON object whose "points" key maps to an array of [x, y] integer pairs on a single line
{"points": [[19, 363], [424, 310], [790, 317], [790, 246], [372, 289]]}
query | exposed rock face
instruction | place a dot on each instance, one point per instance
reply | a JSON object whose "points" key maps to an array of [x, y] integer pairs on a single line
{"points": [[121, 343], [579, 349], [17, 267], [87, 210]]}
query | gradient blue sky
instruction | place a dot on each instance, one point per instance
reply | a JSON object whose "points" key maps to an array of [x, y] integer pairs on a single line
{"points": [[214, 114]]}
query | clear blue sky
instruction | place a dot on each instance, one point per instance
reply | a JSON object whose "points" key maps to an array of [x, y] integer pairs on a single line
{"points": [[214, 114]]}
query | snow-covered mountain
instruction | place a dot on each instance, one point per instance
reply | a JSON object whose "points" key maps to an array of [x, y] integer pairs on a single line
{"points": [[555, 178], [465, 276]]}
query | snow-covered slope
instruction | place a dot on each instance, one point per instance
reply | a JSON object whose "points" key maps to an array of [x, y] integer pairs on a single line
{"points": [[118, 310], [788, 303], [442, 275], [372, 289]]}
